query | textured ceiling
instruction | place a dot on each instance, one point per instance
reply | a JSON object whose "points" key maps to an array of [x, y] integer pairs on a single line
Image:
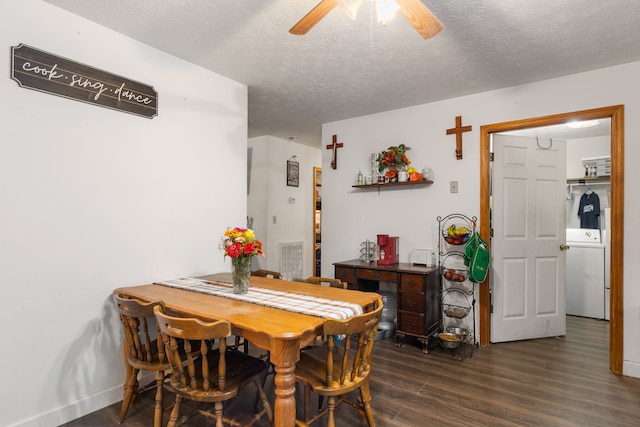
{"points": [[347, 68]]}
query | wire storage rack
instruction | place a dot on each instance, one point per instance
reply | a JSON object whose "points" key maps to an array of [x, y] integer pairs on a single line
{"points": [[458, 299]]}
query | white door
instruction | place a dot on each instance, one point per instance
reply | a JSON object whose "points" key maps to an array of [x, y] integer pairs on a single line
{"points": [[528, 222]]}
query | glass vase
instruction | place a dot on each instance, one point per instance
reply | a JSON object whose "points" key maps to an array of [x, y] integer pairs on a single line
{"points": [[240, 272]]}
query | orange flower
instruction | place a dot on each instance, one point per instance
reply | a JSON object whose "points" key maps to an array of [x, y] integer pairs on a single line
{"points": [[393, 157], [392, 173]]}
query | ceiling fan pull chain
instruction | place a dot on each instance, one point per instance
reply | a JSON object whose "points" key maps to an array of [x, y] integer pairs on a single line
{"points": [[371, 24]]}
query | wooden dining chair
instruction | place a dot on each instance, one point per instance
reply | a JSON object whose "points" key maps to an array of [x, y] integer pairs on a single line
{"points": [[267, 273], [336, 369], [334, 283], [145, 352], [323, 281], [211, 374]]}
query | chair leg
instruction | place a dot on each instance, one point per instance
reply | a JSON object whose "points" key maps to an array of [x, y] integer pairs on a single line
{"points": [[157, 416], [307, 402], [331, 406], [365, 398], [218, 412], [129, 389], [173, 418], [266, 406]]}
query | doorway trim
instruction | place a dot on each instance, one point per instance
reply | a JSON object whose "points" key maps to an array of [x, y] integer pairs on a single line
{"points": [[616, 114]]}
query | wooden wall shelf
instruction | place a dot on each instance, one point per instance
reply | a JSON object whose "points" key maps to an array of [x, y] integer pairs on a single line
{"points": [[394, 184]]}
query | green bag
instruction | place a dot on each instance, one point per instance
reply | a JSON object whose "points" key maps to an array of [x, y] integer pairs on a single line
{"points": [[479, 263], [470, 247]]}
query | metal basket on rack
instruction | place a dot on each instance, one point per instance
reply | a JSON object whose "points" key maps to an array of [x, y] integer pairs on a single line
{"points": [[455, 311], [455, 274], [456, 238]]}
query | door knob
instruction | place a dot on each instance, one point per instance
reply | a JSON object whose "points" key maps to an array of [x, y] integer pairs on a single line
{"points": [[564, 247]]}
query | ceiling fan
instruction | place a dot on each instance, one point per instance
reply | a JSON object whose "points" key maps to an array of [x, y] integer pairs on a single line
{"points": [[421, 18]]}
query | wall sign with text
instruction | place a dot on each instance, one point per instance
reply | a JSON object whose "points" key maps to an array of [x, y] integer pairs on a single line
{"points": [[35, 69]]}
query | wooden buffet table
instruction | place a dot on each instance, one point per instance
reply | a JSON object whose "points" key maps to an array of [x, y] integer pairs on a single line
{"points": [[418, 291], [282, 333]]}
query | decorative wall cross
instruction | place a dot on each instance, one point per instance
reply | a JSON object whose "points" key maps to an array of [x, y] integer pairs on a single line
{"points": [[334, 146], [458, 130]]}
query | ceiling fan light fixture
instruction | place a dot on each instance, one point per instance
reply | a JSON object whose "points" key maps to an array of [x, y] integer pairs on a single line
{"points": [[350, 7], [583, 124], [385, 10], [414, 11]]}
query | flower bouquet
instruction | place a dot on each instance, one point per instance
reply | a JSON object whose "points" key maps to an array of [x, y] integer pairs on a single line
{"points": [[393, 158], [241, 245]]}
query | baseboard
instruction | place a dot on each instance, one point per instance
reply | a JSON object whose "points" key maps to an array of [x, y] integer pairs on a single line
{"points": [[631, 369], [73, 410]]}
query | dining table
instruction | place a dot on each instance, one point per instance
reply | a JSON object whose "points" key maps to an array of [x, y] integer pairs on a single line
{"points": [[281, 329]]}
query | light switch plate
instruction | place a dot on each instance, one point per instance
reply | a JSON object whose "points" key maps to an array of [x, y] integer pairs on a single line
{"points": [[453, 187]]}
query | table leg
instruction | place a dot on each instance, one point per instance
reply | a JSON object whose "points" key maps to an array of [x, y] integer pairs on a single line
{"points": [[284, 359]]}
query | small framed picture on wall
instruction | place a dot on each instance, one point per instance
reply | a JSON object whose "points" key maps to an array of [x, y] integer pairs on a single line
{"points": [[293, 173]]}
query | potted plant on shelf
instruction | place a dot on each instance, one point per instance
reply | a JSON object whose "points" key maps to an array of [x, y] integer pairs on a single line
{"points": [[393, 159]]}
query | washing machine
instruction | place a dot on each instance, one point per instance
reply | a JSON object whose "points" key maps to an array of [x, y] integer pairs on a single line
{"points": [[585, 278]]}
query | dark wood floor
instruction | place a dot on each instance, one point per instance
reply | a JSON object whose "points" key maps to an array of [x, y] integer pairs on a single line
{"points": [[562, 381]]}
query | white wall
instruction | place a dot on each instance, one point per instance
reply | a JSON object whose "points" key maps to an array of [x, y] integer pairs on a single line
{"points": [[583, 148], [94, 199], [270, 196], [411, 213]]}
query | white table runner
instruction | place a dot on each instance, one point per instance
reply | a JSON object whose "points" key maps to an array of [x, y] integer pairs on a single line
{"points": [[284, 300]]}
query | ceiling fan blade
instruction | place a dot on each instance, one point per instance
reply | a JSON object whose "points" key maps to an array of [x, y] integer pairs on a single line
{"points": [[420, 17], [313, 17]]}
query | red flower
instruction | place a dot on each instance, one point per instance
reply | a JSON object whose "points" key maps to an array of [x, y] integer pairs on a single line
{"points": [[234, 250], [249, 248]]}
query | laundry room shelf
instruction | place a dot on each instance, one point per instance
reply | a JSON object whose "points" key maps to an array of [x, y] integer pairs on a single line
{"points": [[585, 181]]}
